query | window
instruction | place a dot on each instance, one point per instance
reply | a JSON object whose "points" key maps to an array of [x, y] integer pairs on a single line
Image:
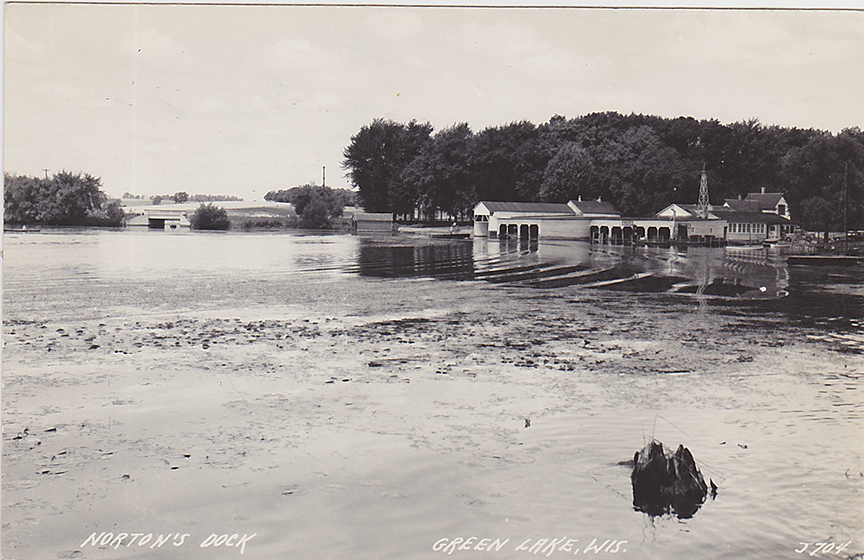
{"points": [[781, 209]]}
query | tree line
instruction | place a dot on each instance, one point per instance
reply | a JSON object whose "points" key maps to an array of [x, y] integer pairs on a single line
{"points": [[639, 163], [182, 196], [66, 199]]}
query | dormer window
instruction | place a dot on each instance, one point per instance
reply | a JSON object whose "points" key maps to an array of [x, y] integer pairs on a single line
{"points": [[781, 209]]}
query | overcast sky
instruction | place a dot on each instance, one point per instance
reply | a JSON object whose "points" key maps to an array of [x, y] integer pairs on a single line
{"points": [[242, 100]]}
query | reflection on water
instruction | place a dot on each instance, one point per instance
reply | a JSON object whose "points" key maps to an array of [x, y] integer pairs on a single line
{"points": [[703, 271], [666, 483], [720, 277], [451, 260]]}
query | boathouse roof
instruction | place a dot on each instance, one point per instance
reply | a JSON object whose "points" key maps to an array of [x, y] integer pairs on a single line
{"points": [[754, 202], [594, 207], [764, 201], [534, 207], [373, 217]]}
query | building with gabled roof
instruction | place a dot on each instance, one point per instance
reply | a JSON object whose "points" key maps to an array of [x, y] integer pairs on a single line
{"points": [[759, 217], [755, 218], [773, 203], [489, 216], [681, 211], [531, 220], [512, 208]]}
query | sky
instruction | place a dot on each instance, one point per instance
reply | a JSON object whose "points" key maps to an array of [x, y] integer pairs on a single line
{"points": [[241, 100]]}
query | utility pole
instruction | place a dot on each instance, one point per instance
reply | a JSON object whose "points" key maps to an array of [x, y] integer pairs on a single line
{"points": [[45, 169], [323, 175], [845, 210], [674, 234], [749, 220]]}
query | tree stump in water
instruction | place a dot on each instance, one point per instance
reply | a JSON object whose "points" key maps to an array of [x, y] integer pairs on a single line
{"points": [[667, 483]]}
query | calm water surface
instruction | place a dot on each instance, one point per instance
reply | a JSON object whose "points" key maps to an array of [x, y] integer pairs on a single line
{"points": [[785, 444]]}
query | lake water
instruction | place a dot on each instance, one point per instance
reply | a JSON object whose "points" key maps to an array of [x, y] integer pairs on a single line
{"points": [[755, 366]]}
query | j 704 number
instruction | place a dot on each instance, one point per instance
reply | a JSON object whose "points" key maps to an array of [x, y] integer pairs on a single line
{"points": [[821, 547]]}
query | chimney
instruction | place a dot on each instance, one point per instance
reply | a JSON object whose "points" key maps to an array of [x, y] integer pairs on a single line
{"points": [[739, 196], [763, 190], [580, 198], [599, 199]]}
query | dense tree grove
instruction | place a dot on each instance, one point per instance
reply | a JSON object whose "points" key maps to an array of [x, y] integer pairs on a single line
{"points": [[439, 174], [66, 199], [640, 163], [825, 177], [298, 195], [317, 206]]}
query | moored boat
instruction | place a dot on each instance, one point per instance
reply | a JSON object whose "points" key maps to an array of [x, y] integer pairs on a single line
{"points": [[455, 235], [825, 260], [22, 229]]}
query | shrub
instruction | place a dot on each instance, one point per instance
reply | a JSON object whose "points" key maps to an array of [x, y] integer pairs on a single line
{"points": [[208, 216], [264, 223], [111, 214], [316, 214]]}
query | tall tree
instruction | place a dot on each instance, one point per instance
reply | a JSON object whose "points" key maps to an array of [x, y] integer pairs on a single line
{"points": [[638, 172], [504, 162], [415, 137], [377, 155], [76, 196], [569, 174], [441, 175]]}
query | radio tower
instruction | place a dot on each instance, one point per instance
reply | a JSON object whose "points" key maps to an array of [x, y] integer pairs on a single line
{"points": [[703, 207]]}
